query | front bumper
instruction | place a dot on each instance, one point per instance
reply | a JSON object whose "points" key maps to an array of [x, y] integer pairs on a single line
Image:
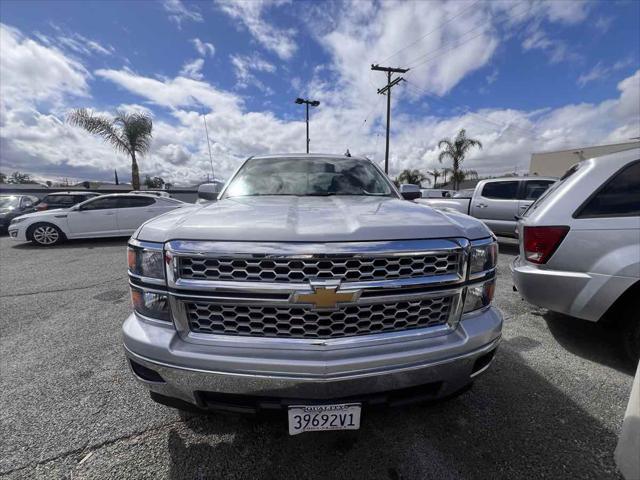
{"points": [[333, 369], [17, 233]]}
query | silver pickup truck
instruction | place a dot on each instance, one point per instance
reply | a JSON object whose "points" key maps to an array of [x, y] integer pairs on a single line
{"points": [[498, 202], [310, 286]]}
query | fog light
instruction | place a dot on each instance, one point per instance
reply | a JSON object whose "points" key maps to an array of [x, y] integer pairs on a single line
{"points": [[479, 295], [149, 304]]}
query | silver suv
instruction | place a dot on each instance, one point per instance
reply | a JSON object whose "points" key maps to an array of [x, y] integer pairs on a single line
{"points": [[580, 245]]}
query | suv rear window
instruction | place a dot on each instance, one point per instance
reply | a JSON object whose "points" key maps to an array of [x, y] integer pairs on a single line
{"points": [[501, 190], [619, 197]]}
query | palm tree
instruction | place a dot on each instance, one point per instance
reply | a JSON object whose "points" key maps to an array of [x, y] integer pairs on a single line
{"points": [[414, 177], [456, 150], [128, 133], [461, 175], [435, 173]]}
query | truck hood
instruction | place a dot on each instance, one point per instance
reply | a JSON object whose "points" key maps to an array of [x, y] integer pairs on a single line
{"points": [[309, 219]]}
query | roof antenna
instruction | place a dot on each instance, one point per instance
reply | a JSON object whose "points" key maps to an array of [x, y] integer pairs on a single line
{"points": [[347, 153]]}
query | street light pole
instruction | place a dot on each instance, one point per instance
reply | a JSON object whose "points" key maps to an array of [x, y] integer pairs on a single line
{"points": [[313, 103], [307, 128]]}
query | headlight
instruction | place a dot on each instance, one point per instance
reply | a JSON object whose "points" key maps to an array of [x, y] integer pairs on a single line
{"points": [[149, 304], [479, 295], [17, 220], [146, 263], [483, 257]]}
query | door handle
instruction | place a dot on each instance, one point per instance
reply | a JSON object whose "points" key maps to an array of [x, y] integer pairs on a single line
{"points": [[109, 213], [522, 207], [481, 205]]}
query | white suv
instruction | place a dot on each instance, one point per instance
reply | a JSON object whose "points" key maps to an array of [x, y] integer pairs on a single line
{"points": [[580, 245]]}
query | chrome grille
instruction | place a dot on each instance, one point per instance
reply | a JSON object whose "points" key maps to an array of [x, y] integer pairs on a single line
{"points": [[346, 268], [297, 322]]}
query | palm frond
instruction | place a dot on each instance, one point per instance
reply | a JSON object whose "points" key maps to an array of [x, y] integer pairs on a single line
{"points": [[470, 174], [443, 155], [98, 125], [136, 128]]}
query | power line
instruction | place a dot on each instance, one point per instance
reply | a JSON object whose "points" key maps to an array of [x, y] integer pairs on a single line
{"points": [[387, 90], [448, 20]]}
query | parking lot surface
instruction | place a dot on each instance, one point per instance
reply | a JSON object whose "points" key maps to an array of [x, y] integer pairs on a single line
{"points": [[550, 407]]}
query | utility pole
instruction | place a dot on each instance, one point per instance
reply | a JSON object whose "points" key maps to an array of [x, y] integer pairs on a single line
{"points": [[387, 90], [313, 103]]}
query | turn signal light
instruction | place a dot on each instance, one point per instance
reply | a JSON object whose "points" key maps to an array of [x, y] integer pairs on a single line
{"points": [[541, 242]]}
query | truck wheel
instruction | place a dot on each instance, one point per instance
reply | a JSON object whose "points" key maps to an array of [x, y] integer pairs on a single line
{"points": [[45, 234]]}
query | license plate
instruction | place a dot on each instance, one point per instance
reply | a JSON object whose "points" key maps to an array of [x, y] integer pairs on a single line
{"points": [[312, 418]]}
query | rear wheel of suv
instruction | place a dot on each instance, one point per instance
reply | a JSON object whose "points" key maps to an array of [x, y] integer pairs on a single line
{"points": [[45, 234]]}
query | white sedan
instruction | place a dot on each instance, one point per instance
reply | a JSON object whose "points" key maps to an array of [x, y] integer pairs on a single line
{"points": [[114, 215]]}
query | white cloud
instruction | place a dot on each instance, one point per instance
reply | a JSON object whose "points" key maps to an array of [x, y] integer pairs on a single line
{"points": [[566, 11], [193, 69], [32, 72], [251, 15], [603, 23], [600, 71], [556, 50], [245, 66], [629, 105], [203, 48], [179, 12], [172, 93]]}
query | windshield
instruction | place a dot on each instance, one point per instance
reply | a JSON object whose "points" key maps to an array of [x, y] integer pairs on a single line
{"points": [[308, 177], [9, 202]]}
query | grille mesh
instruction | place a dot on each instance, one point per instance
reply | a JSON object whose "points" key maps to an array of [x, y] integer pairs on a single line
{"points": [[297, 322], [289, 269]]}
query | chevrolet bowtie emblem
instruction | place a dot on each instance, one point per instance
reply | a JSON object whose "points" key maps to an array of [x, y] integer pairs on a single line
{"points": [[326, 297]]}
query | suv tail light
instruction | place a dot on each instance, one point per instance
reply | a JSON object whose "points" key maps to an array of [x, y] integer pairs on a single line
{"points": [[42, 206], [540, 242]]}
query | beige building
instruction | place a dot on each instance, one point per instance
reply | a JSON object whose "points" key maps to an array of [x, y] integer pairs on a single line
{"points": [[554, 164]]}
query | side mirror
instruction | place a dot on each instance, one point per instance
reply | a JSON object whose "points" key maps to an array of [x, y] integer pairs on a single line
{"points": [[209, 191], [409, 191]]}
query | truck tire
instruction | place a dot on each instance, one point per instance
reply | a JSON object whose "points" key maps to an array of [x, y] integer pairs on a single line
{"points": [[45, 234]]}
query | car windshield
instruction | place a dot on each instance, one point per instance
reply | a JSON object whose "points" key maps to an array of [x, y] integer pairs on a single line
{"points": [[308, 177], [9, 202]]}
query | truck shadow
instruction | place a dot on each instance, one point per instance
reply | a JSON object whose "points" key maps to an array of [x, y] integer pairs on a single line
{"points": [[592, 341], [508, 246], [512, 424]]}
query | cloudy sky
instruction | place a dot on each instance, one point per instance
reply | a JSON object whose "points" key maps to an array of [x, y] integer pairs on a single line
{"points": [[521, 76]]}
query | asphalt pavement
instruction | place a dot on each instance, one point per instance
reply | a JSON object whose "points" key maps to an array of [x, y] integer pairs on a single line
{"points": [[550, 407]]}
